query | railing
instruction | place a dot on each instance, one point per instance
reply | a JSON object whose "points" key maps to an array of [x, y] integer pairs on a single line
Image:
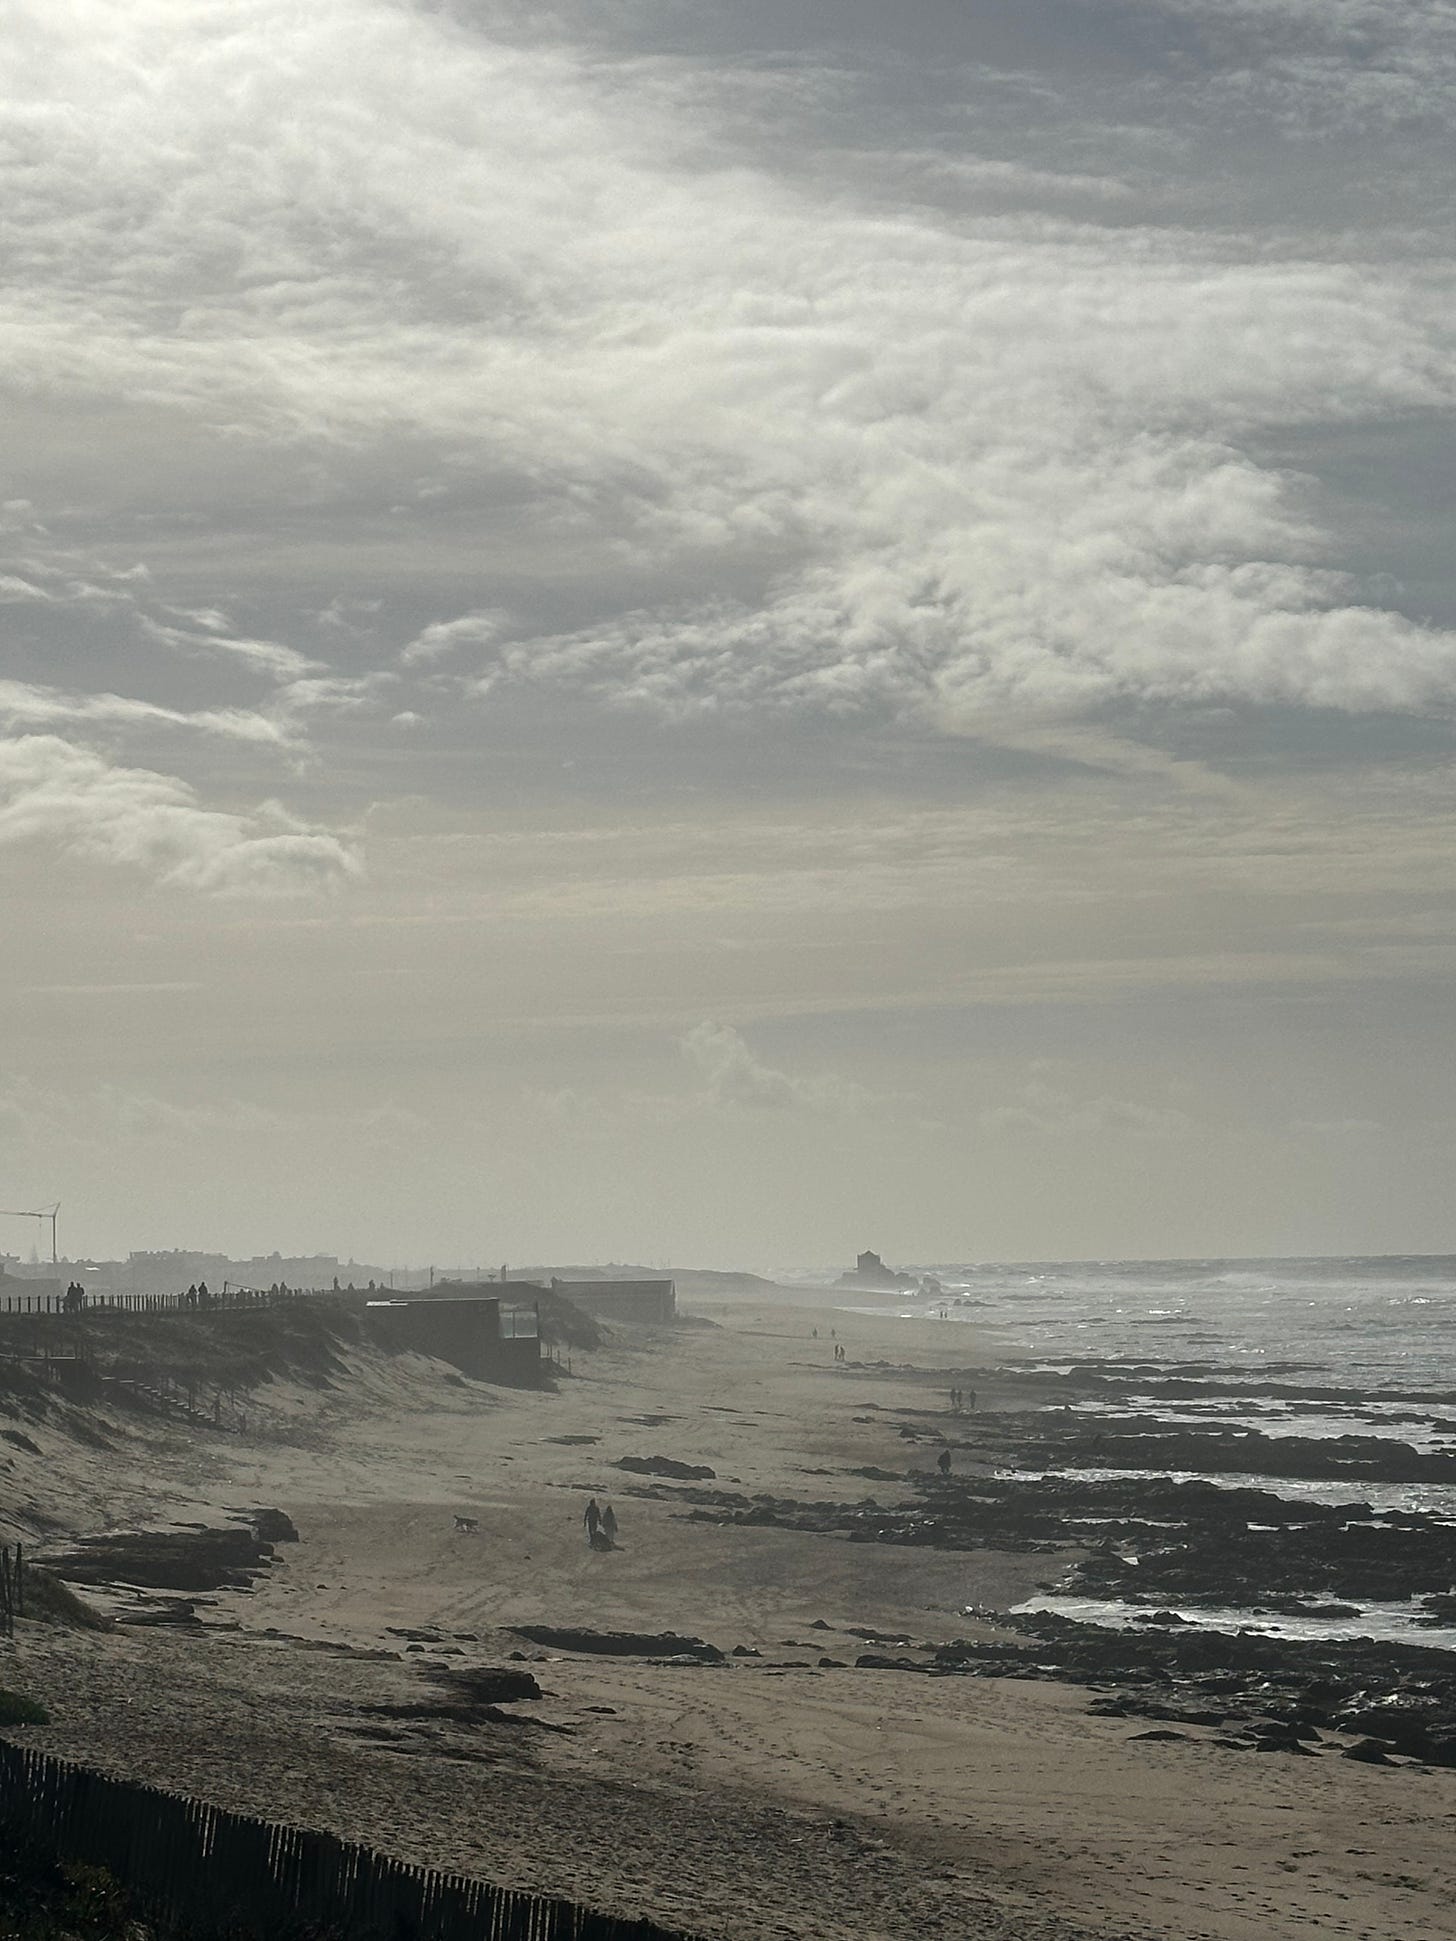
{"points": [[218, 1873], [237, 1297]]}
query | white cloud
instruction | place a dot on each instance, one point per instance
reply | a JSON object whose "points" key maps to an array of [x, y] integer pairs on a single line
{"points": [[478, 629], [270, 657], [736, 1078], [1053, 1112], [944, 463], [1317, 66], [55, 791], [27, 704], [98, 1116]]}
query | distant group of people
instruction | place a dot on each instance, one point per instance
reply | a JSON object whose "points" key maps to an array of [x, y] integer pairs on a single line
{"points": [[839, 1354], [962, 1399], [601, 1526], [75, 1298], [200, 1295]]}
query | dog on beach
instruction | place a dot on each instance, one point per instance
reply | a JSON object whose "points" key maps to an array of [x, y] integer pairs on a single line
{"points": [[466, 1523]]}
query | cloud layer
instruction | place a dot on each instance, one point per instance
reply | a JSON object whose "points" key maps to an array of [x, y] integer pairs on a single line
{"points": [[937, 463], [53, 791]]}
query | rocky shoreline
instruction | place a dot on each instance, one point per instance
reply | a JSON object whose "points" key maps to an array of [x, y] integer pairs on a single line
{"points": [[1044, 1471]]}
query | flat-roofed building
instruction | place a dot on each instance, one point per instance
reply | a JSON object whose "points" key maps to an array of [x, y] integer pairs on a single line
{"points": [[473, 1332], [646, 1303]]}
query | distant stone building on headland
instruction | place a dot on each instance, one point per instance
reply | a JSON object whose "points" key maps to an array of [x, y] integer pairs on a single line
{"points": [[871, 1272]]}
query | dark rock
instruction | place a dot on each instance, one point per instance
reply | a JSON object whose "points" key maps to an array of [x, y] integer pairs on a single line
{"points": [[169, 1612], [621, 1644], [273, 1526], [666, 1466], [180, 1560], [1403, 1726], [490, 1684]]}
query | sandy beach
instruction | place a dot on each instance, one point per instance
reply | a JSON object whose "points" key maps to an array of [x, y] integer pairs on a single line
{"points": [[787, 1790]]}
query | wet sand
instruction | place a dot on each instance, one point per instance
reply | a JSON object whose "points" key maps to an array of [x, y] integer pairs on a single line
{"points": [[767, 1795]]}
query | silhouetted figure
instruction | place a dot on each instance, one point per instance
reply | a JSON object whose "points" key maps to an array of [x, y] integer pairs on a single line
{"points": [[591, 1516], [942, 1462], [609, 1524], [191, 1295], [204, 1299], [972, 1398]]}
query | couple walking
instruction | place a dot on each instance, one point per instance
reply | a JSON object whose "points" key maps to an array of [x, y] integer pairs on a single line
{"points": [[601, 1526]]}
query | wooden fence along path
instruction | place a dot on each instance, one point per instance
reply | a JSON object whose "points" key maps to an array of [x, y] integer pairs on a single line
{"points": [[234, 1297], [208, 1872], [12, 1588]]}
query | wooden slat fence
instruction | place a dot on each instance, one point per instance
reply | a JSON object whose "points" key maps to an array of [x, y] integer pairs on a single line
{"points": [[196, 1867], [216, 1303], [12, 1587]]}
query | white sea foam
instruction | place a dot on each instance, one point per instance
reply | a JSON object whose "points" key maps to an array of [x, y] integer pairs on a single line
{"points": [[1385, 1623]]}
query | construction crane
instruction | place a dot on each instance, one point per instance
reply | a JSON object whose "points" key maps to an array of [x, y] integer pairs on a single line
{"points": [[30, 1213]]}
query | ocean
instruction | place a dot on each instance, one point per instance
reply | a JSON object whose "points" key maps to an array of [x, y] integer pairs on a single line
{"points": [[1351, 1347], [1356, 1323]]}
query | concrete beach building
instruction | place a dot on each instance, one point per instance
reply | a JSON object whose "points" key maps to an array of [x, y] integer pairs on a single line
{"points": [[473, 1332], [647, 1303]]}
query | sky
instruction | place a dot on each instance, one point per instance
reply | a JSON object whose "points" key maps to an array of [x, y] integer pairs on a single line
{"points": [[659, 631]]}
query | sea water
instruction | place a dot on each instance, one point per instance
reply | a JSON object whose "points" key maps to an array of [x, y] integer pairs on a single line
{"points": [[1381, 1329]]}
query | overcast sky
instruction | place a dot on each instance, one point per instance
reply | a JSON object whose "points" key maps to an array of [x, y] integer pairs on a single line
{"points": [[656, 630]]}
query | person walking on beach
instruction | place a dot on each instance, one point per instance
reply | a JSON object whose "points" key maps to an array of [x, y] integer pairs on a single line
{"points": [[591, 1516], [609, 1524], [942, 1462]]}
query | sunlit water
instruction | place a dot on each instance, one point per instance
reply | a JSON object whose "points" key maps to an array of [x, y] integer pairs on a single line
{"points": [[1359, 1325], [1385, 1623]]}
